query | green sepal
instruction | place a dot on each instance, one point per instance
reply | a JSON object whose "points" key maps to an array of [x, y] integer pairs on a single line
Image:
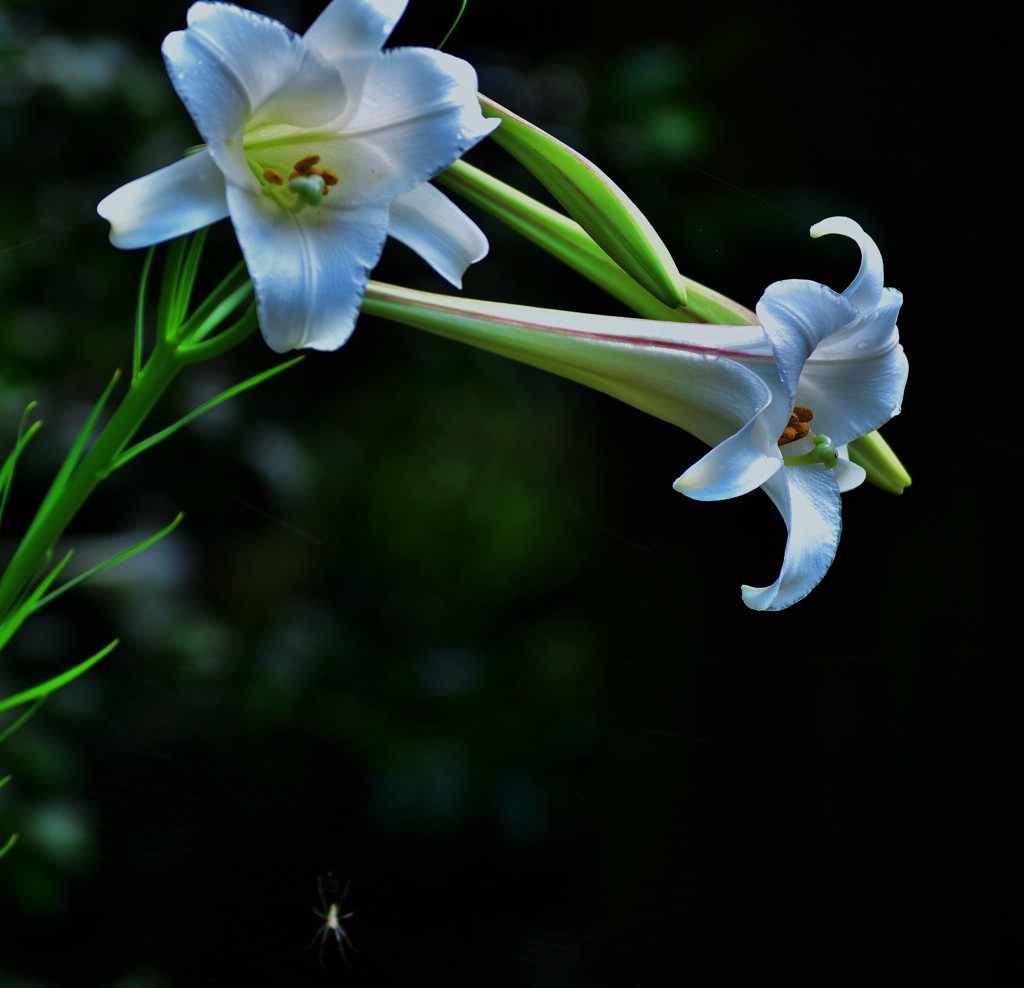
{"points": [[880, 463], [592, 199]]}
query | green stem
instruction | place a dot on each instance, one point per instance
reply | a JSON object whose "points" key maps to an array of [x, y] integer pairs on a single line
{"points": [[143, 393]]}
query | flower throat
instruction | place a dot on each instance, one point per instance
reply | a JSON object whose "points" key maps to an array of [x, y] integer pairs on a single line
{"points": [[307, 184]]}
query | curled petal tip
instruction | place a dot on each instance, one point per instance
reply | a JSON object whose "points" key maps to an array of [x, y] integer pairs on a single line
{"points": [[865, 291], [838, 224]]}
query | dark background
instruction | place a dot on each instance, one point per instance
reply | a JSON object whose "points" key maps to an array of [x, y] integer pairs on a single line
{"points": [[439, 624]]}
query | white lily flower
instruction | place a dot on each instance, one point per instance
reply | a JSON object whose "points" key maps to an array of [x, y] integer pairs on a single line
{"points": [[817, 357], [839, 374], [318, 147]]}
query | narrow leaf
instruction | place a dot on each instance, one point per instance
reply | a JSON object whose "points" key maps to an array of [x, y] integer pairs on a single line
{"points": [[132, 452], [17, 617], [107, 564], [7, 470], [455, 24], [169, 316], [75, 453], [140, 315], [51, 685], [217, 305], [190, 270], [20, 722]]}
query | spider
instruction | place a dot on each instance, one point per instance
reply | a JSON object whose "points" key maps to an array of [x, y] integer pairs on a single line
{"points": [[332, 916]]}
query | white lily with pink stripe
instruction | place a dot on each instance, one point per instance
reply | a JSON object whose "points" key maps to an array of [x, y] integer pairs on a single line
{"points": [[777, 401]]}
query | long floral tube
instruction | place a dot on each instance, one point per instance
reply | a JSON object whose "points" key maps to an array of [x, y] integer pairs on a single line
{"points": [[750, 392]]}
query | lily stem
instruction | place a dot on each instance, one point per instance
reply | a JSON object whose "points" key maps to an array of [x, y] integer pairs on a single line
{"points": [[61, 506]]}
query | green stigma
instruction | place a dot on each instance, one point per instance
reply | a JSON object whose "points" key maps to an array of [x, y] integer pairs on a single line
{"points": [[824, 452], [306, 186], [310, 190]]}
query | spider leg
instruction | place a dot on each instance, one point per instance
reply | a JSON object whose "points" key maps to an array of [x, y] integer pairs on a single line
{"points": [[320, 935], [341, 938]]}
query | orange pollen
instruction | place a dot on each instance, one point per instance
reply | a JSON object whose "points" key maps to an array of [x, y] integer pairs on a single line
{"points": [[797, 427], [273, 177], [305, 165]]}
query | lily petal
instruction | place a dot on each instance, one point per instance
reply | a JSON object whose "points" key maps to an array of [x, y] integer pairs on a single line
{"points": [[853, 391], [797, 315], [351, 27], [422, 115], [847, 473], [743, 459], [138, 213], [808, 500], [429, 223], [232, 68], [865, 290], [864, 335], [309, 269]]}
